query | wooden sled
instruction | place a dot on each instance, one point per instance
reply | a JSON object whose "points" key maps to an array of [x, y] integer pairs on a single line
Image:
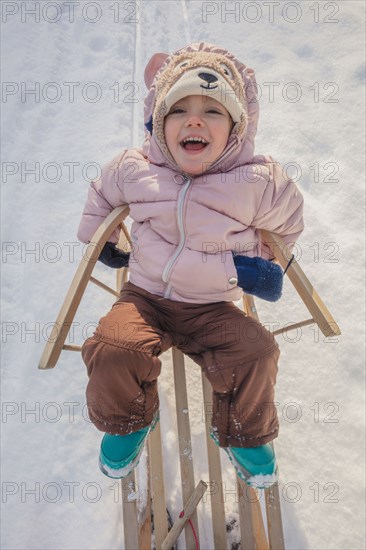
{"points": [[137, 531]]}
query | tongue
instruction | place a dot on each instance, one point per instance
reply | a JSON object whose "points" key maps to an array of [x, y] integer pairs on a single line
{"points": [[194, 146]]}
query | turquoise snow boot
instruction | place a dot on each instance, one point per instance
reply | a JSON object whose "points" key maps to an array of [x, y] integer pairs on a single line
{"points": [[254, 465], [120, 454]]}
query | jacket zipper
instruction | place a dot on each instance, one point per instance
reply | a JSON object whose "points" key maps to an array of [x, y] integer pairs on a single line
{"points": [[182, 240], [180, 205]]}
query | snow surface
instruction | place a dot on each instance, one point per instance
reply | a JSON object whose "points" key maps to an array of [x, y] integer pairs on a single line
{"points": [[53, 495]]}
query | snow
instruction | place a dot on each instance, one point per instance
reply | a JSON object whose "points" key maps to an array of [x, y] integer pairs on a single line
{"points": [[55, 141], [262, 481]]}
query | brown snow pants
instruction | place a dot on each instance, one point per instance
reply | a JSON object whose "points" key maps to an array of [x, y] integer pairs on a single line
{"points": [[237, 354]]}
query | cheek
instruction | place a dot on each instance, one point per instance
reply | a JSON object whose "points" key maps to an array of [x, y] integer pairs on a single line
{"points": [[170, 133], [223, 135]]}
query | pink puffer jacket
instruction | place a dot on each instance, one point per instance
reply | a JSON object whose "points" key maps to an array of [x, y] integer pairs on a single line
{"points": [[184, 228]]}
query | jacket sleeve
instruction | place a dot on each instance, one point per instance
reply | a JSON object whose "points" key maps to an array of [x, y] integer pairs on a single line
{"points": [[105, 194], [281, 206]]}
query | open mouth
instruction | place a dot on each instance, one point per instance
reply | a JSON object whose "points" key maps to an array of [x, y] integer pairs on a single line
{"points": [[194, 144]]}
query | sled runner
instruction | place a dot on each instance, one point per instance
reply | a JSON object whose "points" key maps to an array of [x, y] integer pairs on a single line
{"points": [[137, 530]]}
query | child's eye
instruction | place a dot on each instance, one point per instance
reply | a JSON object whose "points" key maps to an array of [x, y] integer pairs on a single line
{"points": [[176, 110]]}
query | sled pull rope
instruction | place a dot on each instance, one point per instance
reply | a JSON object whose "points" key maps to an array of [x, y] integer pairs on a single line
{"points": [[187, 512], [181, 515]]}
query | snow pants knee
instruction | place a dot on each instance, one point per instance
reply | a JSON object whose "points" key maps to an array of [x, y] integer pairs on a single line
{"points": [[237, 354]]}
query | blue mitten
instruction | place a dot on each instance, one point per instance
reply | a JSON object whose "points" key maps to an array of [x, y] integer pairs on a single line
{"points": [[113, 257], [259, 277]]}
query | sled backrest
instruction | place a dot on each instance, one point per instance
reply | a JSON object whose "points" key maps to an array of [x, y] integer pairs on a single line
{"points": [[56, 341]]}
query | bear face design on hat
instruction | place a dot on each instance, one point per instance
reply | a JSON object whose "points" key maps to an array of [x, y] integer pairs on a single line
{"points": [[198, 73]]}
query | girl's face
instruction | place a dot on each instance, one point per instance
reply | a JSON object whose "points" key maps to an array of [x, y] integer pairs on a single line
{"points": [[197, 116]]}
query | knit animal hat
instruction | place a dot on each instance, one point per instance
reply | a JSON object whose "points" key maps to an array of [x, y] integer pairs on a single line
{"points": [[204, 73]]}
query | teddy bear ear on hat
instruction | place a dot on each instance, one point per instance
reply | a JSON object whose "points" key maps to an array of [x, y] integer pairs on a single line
{"points": [[155, 63]]}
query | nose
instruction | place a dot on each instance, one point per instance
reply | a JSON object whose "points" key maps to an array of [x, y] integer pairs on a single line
{"points": [[194, 120]]}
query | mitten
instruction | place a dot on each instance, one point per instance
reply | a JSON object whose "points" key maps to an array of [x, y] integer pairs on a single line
{"points": [[259, 277], [113, 257]]}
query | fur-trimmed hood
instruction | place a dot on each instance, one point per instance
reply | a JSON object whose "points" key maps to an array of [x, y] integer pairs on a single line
{"points": [[163, 71], [183, 225]]}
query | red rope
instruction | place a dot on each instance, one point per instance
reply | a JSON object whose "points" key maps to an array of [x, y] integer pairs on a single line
{"points": [[181, 515]]}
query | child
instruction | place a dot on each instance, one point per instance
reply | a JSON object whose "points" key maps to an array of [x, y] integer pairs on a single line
{"points": [[198, 199]]}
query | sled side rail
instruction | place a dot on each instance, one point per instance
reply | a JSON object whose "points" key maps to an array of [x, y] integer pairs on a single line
{"points": [[252, 517], [129, 511], [184, 440], [217, 496], [315, 305], [60, 329], [156, 473]]}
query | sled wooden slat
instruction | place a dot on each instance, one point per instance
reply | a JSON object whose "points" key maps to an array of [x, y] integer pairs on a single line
{"points": [[214, 468], [104, 286], [129, 509], [305, 289], [187, 513], [251, 521], [272, 496], [274, 518], [293, 326], [71, 347], [184, 440], [60, 329], [157, 485], [145, 526], [259, 529], [248, 541]]}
